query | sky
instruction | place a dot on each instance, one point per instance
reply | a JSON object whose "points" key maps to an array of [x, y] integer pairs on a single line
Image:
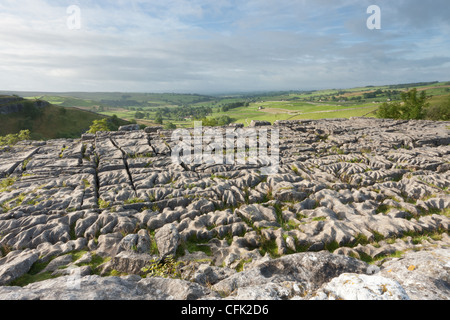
{"points": [[219, 46]]}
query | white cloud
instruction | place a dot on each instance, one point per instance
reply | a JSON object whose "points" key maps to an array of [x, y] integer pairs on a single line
{"points": [[204, 46]]}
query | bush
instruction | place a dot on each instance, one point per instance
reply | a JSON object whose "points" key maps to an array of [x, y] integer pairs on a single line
{"points": [[165, 269], [170, 126], [209, 122], [12, 139], [106, 124], [439, 112], [389, 110], [139, 115], [158, 119], [99, 125], [213, 122], [412, 107]]}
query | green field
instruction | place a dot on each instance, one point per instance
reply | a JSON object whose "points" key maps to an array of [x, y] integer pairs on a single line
{"points": [[270, 106], [53, 122]]}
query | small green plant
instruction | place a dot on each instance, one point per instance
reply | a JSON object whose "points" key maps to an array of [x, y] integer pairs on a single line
{"points": [[72, 234], [337, 150], [360, 239], [322, 137], [242, 262], [165, 268], [383, 208], [62, 151], [190, 186], [365, 150], [269, 246], [331, 246], [377, 237], [5, 249], [25, 163], [6, 183], [140, 155], [134, 200], [87, 184], [218, 176], [103, 204], [193, 244]]}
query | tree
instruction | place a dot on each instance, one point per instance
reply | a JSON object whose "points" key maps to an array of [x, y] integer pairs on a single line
{"points": [[209, 122], [412, 107], [113, 123], [389, 110], [439, 112], [139, 115], [224, 120], [158, 119], [213, 122], [11, 139], [99, 125], [170, 126]]}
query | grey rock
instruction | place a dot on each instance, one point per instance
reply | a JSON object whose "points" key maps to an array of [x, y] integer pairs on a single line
{"points": [[267, 291], [85, 258], [128, 262], [257, 212], [310, 270], [94, 287], [255, 123], [130, 127], [75, 272], [48, 250], [58, 262], [207, 275], [16, 264], [108, 244], [139, 243], [152, 129], [423, 274], [167, 239], [350, 286], [339, 182]]}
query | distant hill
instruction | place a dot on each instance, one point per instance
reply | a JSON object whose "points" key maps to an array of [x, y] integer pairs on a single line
{"points": [[14, 104], [44, 120]]}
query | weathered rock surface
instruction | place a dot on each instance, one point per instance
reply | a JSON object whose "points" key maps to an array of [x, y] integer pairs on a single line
{"points": [[423, 274], [361, 287], [303, 272], [360, 188], [107, 288], [311, 275], [16, 264]]}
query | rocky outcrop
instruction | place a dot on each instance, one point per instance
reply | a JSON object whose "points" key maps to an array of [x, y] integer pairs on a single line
{"points": [[107, 288], [423, 274], [13, 104], [303, 273], [365, 190], [302, 276], [361, 287], [16, 264]]}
